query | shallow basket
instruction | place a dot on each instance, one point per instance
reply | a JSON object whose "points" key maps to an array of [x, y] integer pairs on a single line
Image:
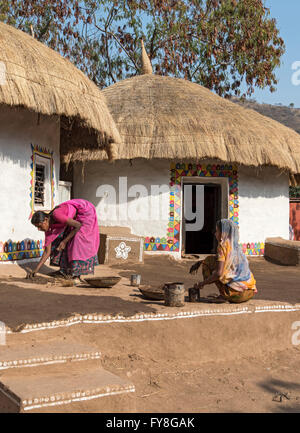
{"points": [[153, 294], [103, 282]]}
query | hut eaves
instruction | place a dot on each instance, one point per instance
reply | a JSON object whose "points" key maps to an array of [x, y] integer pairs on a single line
{"points": [[41, 80]]}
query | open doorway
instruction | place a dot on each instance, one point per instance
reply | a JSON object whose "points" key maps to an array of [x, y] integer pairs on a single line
{"points": [[203, 241]]}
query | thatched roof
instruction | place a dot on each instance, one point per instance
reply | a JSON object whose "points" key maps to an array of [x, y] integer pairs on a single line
{"points": [[41, 80], [164, 117]]}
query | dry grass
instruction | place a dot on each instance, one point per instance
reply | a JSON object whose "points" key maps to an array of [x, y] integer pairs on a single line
{"points": [[41, 80], [164, 117]]}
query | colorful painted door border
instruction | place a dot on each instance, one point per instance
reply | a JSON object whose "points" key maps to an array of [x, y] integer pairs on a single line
{"points": [[171, 242]]}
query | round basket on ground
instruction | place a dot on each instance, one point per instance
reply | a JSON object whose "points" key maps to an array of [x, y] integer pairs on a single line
{"points": [[103, 282], [152, 293]]}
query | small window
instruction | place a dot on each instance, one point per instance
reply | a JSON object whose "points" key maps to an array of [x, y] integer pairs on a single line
{"points": [[42, 190], [39, 186]]}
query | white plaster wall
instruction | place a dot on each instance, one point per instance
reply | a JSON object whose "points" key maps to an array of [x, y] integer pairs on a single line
{"points": [[264, 204], [145, 215], [18, 129], [263, 198]]}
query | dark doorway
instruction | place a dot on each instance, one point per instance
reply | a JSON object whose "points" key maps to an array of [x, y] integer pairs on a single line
{"points": [[204, 241]]}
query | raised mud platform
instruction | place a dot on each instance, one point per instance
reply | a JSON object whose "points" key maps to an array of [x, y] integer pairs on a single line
{"points": [[282, 251], [46, 367], [84, 341]]}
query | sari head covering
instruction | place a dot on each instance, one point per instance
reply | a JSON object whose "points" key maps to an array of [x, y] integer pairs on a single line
{"points": [[236, 268]]}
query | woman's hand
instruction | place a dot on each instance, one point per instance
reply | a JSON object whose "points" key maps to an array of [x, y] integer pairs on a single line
{"points": [[62, 246], [199, 285]]}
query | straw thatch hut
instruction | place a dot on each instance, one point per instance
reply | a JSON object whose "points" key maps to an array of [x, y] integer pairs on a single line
{"points": [[185, 148], [48, 109]]}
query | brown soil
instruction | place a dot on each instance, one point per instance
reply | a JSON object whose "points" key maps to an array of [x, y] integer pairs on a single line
{"points": [[257, 385], [216, 364], [274, 282], [174, 381], [247, 385]]}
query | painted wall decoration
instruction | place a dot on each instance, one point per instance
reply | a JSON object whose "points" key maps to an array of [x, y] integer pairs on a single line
{"points": [[254, 249], [26, 249], [36, 150], [122, 251], [178, 170]]}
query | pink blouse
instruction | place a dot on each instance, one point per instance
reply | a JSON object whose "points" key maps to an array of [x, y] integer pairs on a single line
{"points": [[60, 217], [85, 243]]}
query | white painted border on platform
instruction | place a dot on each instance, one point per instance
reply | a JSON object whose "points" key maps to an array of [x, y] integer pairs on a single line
{"points": [[47, 360], [141, 317], [83, 397]]}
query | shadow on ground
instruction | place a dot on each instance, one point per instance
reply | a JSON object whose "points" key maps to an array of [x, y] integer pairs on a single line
{"points": [[25, 305], [285, 394], [31, 266], [274, 283]]}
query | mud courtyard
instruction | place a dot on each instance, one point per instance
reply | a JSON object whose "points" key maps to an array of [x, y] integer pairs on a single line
{"points": [[203, 357]]}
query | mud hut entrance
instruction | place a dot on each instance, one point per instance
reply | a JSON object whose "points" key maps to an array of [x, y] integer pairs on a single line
{"points": [[199, 238]]}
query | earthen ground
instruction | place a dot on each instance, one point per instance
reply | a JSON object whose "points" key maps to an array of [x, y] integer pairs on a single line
{"points": [[263, 381]]}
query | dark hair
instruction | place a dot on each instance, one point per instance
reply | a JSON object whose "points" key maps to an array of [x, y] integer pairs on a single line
{"points": [[39, 217]]}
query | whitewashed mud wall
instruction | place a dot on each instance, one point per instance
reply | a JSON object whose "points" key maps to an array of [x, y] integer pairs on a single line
{"points": [[258, 199], [263, 204], [140, 206], [19, 130]]}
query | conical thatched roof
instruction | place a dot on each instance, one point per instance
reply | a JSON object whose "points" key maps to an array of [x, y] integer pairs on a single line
{"points": [[41, 80], [164, 117]]}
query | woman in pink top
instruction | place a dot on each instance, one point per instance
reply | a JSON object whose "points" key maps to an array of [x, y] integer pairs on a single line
{"points": [[71, 237]]}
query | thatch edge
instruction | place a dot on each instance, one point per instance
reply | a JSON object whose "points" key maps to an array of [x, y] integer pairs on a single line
{"points": [[41, 91]]}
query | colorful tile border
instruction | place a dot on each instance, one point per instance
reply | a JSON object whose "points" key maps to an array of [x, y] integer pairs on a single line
{"points": [[36, 150], [253, 249], [27, 249], [172, 239]]}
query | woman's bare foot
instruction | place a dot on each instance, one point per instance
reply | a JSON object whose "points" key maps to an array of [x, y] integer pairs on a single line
{"points": [[76, 281]]}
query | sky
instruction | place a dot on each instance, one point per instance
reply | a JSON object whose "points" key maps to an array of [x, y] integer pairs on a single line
{"points": [[287, 15]]}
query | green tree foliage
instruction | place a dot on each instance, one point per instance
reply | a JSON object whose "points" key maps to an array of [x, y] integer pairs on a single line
{"points": [[294, 191], [217, 43]]}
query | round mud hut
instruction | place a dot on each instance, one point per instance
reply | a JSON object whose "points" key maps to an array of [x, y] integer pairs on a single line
{"points": [[188, 158], [48, 110]]}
